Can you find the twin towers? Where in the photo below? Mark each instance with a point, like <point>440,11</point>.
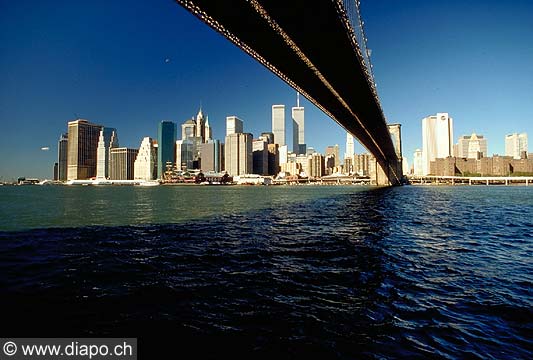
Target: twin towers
<point>298,128</point>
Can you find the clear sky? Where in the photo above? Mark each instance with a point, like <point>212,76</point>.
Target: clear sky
<point>105,61</point>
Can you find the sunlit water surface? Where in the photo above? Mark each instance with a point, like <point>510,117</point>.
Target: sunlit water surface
<point>273,272</point>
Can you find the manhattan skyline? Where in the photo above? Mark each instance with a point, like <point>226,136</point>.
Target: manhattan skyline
<point>154,61</point>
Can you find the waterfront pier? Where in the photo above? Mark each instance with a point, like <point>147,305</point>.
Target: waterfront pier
<point>471,180</point>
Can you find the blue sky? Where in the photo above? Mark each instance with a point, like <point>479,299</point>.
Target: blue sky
<point>106,62</point>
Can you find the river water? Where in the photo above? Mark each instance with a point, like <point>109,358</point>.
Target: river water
<point>273,272</point>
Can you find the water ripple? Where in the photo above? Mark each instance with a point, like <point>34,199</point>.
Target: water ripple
<point>381,273</point>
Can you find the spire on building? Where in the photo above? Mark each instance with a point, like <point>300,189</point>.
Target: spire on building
<point>208,135</point>
<point>200,126</point>
<point>200,114</point>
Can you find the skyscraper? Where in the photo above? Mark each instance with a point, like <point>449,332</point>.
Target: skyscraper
<point>188,129</point>
<point>185,152</point>
<point>145,163</point>
<point>298,133</point>
<point>233,125</point>
<point>316,165</point>
<point>200,126</point>
<point>122,163</point>
<point>268,137</point>
<point>437,139</point>
<point>108,139</point>
<point>273,159</point>
<point>417,163</point>
<point>238,154</point>
<point>62,153</point>
<point>196,131</point>
<point>211,155</point>
<point>283,152</point>
<point>208,133</point>
<point>516,145</point>
<point>349,146</point>
<point>260,156</point>
<point>82,147</point>
<point>334,150</point>
<point>468,146</point>
<point>278,124</point>
<point>166,140</point>
<point>361,164</point>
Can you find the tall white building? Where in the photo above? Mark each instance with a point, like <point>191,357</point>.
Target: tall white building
<point>208,133</point>
<point>350,150</point>
<point>108,139</point>
<point>437,139</point>
<point>405,166</point>
<point>278,124</point>
<point>233,125</point>
<point>515,145</point>
<point>468,146</point>
<point>145,164</point>
<point>417,163</point>
<point>238,154</point>
<point>200,125</point>
<point>298,129</point>
<point>283,154</point>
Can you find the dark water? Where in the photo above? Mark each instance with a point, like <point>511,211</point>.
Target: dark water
<point>302,272</point>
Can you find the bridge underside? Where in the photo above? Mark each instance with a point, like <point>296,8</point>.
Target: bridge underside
<point>309,45</point>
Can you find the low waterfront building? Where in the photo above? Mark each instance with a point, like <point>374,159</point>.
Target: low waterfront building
<point>362,164</point>
<point>488,166</point>
<point>252,179</point>
<point>291,168</point>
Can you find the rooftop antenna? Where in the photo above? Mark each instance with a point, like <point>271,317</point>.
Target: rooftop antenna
<point>297,99</point>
